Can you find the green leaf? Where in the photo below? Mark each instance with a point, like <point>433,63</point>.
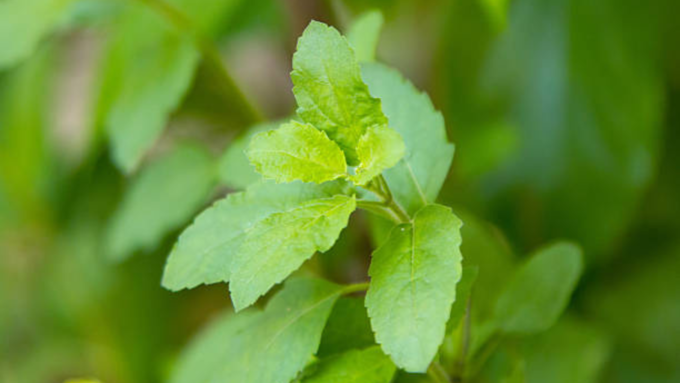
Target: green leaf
<point>379,149</point>
<point>204,251</point>
<point>262,346</point>
<point>235,170</point>
<point>296,151</point>
<point>23,24</point>
<point>165,195</point>
<point>348,328</point>
<point>279,244</point>
<point>413,285</point>
<point>537,294</point>
<point>149,67</point>
<point>364,33</point>
<point>356,366</point>
<point>416,180</point>
<point>329,90</point>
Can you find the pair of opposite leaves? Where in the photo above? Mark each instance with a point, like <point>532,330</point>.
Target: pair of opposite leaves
<point>343,123</point>
<point>257,238</point>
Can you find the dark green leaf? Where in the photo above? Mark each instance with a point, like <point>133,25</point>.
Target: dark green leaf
<point>540,290</point>
<point>356,366</point>
<point>164,196</point>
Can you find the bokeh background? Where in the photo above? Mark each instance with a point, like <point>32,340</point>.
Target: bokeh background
<point>566,120</point>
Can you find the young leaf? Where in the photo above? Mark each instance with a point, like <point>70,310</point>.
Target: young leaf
<point>413,285</point>
<point>364,33</point>
<point>164,196</point>
<point>356,366</point>
<point>537,294</point>
<point>149,67</point>
<point>379,149</point>
<point>329,90</point>
<point>296,151</point>
<point>204,251</point>
<point>235,170</point>
<point>23,24</point>
<point>262,346</point>
<point>276,246</point>
<point>417,178</point>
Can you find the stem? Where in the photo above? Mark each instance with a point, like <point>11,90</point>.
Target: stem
<point>353,288</point>
<point>403,217</point>
<point>380,209</point>
<point>437,373</point>
<point>464,345</point>
<point>380,188</point>
<point>212,59</point>
<point>481,356</point>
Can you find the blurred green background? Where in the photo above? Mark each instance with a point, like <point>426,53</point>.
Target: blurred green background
<point>566,120</point>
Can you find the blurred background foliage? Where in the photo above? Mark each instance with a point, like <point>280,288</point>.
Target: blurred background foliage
<point>116,118</point>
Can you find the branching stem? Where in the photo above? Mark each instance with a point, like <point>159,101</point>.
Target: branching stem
<point>387,207</point>
<point>211,57</point>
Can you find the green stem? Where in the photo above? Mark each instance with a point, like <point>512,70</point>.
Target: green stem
<point>380,188</point>
<point>459,374</point>
<point>380,209</point>
<point>353,288</point>
<point>212,59</point>
<point>479,359</point>
<point>437,373</point>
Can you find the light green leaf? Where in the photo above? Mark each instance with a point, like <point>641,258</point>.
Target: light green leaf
<point>416,180</point>
<point>164,196</point>
<point>235,170</point>
<point>149,67</point>
<point>356,366</point>
<point>23,24</point>
<point>279,244</point>
<point>262,346</point>
<point>413,285</point>
<point>204,251</point>
<point>537,294</point>
<point>296,151</point>
<point>379,149</point>
<point>364,33</point>
<point>329,90</point>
